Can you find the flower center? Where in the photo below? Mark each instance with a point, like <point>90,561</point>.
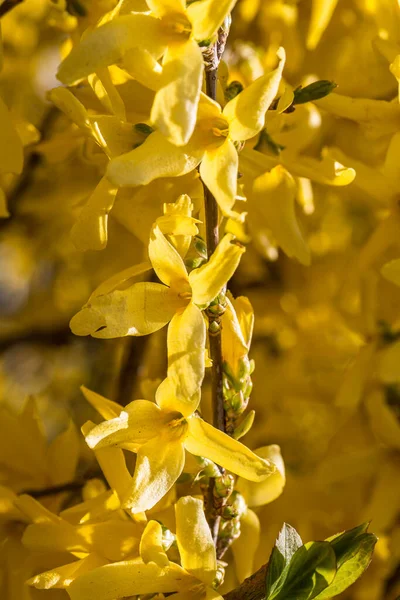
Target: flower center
<point>177,25</point>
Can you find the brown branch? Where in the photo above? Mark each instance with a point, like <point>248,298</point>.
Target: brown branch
<point>252,588</point>
<point>8,5</point>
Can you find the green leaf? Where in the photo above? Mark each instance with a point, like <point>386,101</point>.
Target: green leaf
<point>314,91</point>
<point>345,544</point>
<point>353,567</point>
<point>285,547</point>
<point>311,569</point>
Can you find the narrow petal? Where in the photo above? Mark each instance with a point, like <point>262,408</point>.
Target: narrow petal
<point>138,423</point>
<point>207,17</point>
<point>273,196</point>
<point>90,230</point>
<point>105,90</point>
<point>175,104</point>
<point>258,494</point>
<point>195,543</point>
<point>245,547</point>
<point>246,112</point>
<point>120,278</point>
<point>207,281</point>
<point>62,577</point>
<point>321,13</point>
<point>155,158</point>
<point>219,171</point>
<point>166,261</point>
<point>159,464</point>
<point>234,346</point>
<point>205,440</point>
<point>146,69</point>
<point>106,408</point>
<point>391,271</point>
<point>151,548</point>
<point>186,360</point>
<point>63,455</point>
<point>106,45</point>
<point>139,310</point>
<point>128,578</point>
<point>11,151</point>
<point>161,8</point>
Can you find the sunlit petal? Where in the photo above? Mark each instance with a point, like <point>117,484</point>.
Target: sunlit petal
<point>166,261</point>
<point>207,17</point>
<point>264,492</point>
<point>219,171</point>
<point>151,548</point>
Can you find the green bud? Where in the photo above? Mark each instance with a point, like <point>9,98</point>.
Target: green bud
<point>223,486</point>
<point>200,246</point>
<point>214,327</point>
<point>238,502</point>
<point>252,366</point>
<point>314,91</point>
<point>229,512</point>
<point>237,402</point>
<point>233,89</point>
<point>244,367</point>
<point>143,128</point>
<point>205,43</point>
<point>219,576</point>
<point>244,426</point>
<point>194,263</point>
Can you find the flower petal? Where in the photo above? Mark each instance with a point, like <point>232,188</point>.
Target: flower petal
<point>205,440</point>
<point>175,104</point>
<point>245,547</point>
<point>264,492</point>
<point>219,172</point>
<point>159,464</point>
<point>195,543</point>
<point>186,361</point>
<point>163,7</point>
<point>246,112</point>
<point>139,310</point>
<point>207,17</point>
<point>106,408</point>
<point>139,422</point>
<point>155,158</point>
<point>151,548</point>
<point>106,45</point>
<point>273,195</point>
<point>90,230</point>
<point>62,577</point>
<point>391,271</point>
<point>128,578</point>
<point>207,281</point>
<point>321,14</point>
<point>166,261</point>
<point>115,281</point>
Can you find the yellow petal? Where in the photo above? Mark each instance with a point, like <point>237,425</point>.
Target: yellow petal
<point>106,45</point>
<point>258,494</point>
<point>139,310</point>
<point>175,104</point>
<point>128,578</point>
<point>195,543</point>
<point>159,463</point>
<point>107,93</point>
<point>155,158</point>
<point>11,151</point>
<point>234,346</point>
<point>90,230</point>
<point>207,17</point>
<point>205,440</point>
<point>166,261</point>
<point>151,548</point>
<point>273,195</point>
<point>63,455</point>
<point>391,271</point>
<point>245,547</point>
<point>98,508</point>
<point>207,281</point>
<point>146,69</point>
<point>70,106</point>
<point>112,463</point>
<point>245,315</point>
<point>328,170</point>
<point>321,14</point>
<point>246,112</point>
<point>388,364</point>
<point>106,408</point>
<point>62,577</point>
<point>219,171</point>
<point>161,8</point>
<point>138,423</point>
<point>120,278</point>
<point>186,361</point>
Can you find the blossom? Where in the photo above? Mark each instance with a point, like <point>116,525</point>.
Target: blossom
<point>169,29</point>
<point>154,573</point>
<point>160,433</point>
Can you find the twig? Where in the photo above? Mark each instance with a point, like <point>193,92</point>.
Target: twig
<point>8,5</point>
<point>252,588</point>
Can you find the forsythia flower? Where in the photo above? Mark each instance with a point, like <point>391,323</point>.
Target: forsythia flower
<point>159,434</point>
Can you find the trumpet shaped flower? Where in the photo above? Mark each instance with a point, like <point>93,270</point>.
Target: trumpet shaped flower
<point>146,307</point>
<point>192,580</point>
<point>169,29</point>
<point>160,433</point>
<point>213,143</point>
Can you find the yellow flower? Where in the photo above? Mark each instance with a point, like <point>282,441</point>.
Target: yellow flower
<point>146,307</point>
<point>155,573</point>
<point>159,434</point>
<point>171,30</point>
<point>212,144</point>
